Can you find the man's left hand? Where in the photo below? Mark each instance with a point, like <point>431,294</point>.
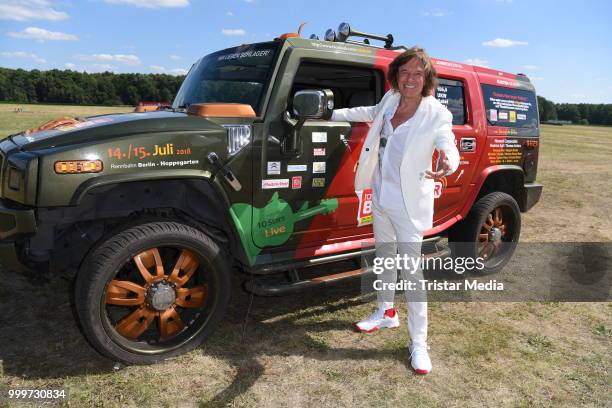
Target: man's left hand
<point>443,167</point>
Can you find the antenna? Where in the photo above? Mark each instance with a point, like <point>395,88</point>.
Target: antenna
<point>292,35</point>
<point>300,28</point>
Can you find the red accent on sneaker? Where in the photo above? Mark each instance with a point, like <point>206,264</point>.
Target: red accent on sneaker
<point>420,371</point>
<point>360,330</point>
<point>390,313</point>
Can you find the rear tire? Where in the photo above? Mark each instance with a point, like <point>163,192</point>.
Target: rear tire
<point>152,291</point>
<point>491,231</point>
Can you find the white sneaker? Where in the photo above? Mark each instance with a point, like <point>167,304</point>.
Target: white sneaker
<point>419,358</point>
<point>380,319</point>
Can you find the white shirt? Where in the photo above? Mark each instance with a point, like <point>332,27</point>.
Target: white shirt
<point>434,123</point>
<point>387,185</point>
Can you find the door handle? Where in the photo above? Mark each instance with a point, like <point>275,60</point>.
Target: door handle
<point>467,144</point>
<point>291,144</point>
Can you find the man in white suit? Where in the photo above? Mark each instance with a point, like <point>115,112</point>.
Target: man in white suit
<point>395,161</point>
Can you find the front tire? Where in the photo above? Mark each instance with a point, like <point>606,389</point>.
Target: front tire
<point>152,291</point>
<point>490,231</point>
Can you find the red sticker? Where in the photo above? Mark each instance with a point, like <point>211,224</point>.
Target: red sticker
<point>319,151</point>
<point>364,212</point>
<point>296,182</point>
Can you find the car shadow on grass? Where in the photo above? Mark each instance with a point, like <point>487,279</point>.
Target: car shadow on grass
<point>292,325</point>
<point>40,339</point>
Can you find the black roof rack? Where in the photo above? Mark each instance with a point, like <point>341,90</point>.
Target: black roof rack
<point>345,31</point>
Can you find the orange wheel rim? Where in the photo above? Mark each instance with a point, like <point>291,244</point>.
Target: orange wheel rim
<point>160,298</point>
<point>494,221</point>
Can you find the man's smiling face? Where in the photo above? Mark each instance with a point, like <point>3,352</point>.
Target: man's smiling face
<point>411,78</point>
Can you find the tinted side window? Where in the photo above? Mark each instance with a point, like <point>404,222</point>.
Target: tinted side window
<point>510,107</point>
<point>450,94</point>
<point>352,86</point>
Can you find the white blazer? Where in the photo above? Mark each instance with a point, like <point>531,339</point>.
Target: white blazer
<point>431,129</point>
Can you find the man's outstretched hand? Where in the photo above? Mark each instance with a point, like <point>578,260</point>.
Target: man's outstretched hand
<point>443,167</point>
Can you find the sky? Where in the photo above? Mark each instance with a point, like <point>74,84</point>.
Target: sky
<point>564,47</point>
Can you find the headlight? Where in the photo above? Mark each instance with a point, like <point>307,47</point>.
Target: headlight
<point>19,178</point>
<point>238,136</point>
<point>14,178</point>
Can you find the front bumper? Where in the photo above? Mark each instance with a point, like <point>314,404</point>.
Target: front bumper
<point>16,222</point>
<point>9,258</point>
<point>531,195</point>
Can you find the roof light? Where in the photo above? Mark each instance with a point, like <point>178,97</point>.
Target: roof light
<point>344,30</point>
<point>330,35</point>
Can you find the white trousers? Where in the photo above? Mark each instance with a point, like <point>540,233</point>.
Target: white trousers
<point>395,234</point>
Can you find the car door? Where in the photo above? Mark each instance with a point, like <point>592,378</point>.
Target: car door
<point>455,92</point>
<point>307,181</point>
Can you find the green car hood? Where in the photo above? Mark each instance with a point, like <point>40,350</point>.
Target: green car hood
<point>100,128</point>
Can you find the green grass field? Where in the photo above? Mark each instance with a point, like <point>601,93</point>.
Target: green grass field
<point>35,115</point>
<point>300,351</point>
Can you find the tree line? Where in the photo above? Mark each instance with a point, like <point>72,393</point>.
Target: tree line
<point>580,113</point>
<point>107,88</point>
<point>82,88</point>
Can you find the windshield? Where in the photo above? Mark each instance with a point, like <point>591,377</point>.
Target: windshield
<point>234,75</point>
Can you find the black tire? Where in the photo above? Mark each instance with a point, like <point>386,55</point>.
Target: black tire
<point>199,302</point>
<point>465,237</point>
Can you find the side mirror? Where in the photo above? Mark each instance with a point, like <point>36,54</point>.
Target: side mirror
<point>307,104</point>
<point>313,103</point>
